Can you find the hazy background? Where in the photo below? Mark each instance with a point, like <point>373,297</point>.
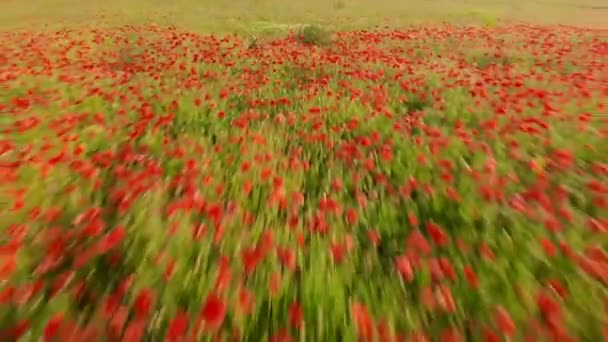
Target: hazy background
<point>248,16</point>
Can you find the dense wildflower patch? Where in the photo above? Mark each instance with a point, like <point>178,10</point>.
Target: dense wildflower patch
<point>432,183</point>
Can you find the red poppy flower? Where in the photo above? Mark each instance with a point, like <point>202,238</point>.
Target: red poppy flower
<point>213,312</point>
<point>143,303</point>
<point>178,326</point>
<point>296,314</point>
<point>363,321</point>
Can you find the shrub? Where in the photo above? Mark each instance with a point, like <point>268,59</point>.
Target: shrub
<point>314,35</point>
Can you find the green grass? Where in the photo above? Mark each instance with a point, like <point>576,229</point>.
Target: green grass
<point>242,15</point>
<point>302,180</point>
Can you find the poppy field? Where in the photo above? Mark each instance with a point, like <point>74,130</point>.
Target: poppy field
<point>431,183</point>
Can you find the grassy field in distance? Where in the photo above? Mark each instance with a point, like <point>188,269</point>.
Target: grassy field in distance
<point>282,171</point>
<point>242,15</point>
